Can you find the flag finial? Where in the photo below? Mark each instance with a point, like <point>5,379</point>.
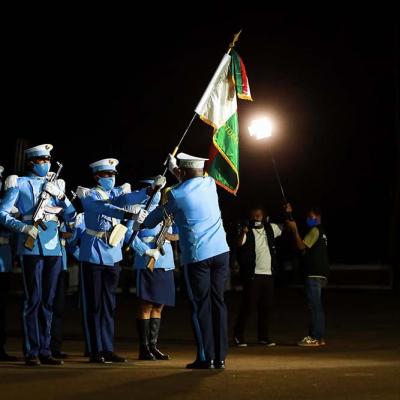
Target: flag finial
<point>235,39</point>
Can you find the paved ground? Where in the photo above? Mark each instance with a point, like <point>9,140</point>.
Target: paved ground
<point>361,360</point>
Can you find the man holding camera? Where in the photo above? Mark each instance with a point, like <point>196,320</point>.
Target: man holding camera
<point>258,262</point>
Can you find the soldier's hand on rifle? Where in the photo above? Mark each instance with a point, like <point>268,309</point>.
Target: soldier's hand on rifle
<point>31,231</point>
<point>159,181</point>
<point>154,253</point>
<point>172,163</point>
<point>52,189</point>
<point>136,213</point>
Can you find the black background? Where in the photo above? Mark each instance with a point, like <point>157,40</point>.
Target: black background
<point>124,83</point>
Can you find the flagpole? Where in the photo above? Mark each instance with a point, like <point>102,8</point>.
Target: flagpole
<point>175,151</point>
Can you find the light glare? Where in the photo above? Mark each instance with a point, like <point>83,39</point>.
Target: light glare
<point>261,128</point>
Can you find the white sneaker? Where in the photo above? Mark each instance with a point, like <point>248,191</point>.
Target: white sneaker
<point>267,343</point>
<point>308,341</point>
<point>239,343</point>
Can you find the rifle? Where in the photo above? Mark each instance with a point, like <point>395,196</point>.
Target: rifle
<point>160,239</point>
<point>39,213</point>
<point>136,226</point>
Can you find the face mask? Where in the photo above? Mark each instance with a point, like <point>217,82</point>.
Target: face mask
<point>41,169</point>
<point>107,183</point>
<point>256,224</point>
<point>311,222</point>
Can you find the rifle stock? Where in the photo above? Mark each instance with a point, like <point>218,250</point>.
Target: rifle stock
<point>150,265</point>
<point>30,241</point>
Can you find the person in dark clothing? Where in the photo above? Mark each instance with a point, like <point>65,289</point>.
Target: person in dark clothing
<point>258,262</point>
<point>316,265</point>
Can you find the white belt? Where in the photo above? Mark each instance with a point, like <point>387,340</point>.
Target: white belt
<point>47,217</point>
<point>151,239</point>
<point>4,240</point>
<point>99,234</point>
<point>148,239</point>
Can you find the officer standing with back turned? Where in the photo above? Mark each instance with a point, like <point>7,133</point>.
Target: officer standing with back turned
<point>205,255</point>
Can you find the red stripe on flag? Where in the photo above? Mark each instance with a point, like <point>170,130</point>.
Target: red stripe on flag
<point>245,81</point>
<point>211,155</point>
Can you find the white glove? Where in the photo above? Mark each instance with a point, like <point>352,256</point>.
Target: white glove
<point>126,188</point>
<point>30,230</point>
<point>160,181</point>
<point>61,184</point>
<point>133,208</point>
<point>172,163</point>
<point>82,192</point>
<point>154,253</point>
<point>141,216</point>
<point>54,190</point>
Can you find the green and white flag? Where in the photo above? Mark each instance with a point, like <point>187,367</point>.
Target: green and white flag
<point>218,108</point>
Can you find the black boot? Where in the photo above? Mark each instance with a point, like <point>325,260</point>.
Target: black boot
<point>143,328</point>
<point>153,338</point>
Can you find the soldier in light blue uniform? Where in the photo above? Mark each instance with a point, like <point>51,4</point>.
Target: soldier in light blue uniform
<point>100,253</point>
<point>205,254</point>
<point>6,263</point>
<point>66,233</point>
<point>41,266</point>
<point>155,289</point>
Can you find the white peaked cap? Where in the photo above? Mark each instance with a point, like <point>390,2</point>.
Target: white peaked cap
<point>188,161</point>
<point>107,164</point>
<point>39,151</point>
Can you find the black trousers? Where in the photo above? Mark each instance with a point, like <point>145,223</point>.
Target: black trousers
<point>257,297</point>
<point>58,314</point>
<point>98,287</point>
<point>4,289</point>
<point>205,281</point>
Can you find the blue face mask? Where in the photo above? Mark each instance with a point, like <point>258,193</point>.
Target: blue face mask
<point>107,183</point>
<point>311,222</point>
<point>41,169</point>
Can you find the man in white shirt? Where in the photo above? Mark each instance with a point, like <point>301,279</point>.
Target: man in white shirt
<point>257,259</point>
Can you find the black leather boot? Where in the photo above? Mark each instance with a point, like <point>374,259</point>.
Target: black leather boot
<point>143,328</point>
<point>153,338</point>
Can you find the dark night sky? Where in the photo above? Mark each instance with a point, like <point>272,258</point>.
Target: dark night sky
<point>125,85</point>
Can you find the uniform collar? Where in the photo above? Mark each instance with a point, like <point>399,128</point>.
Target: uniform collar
<point>33,175</point>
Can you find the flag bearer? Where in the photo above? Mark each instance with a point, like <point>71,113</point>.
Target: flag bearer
<point>205,254</point>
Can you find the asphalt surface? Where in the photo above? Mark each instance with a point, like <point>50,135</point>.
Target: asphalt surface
<point>361,359</point>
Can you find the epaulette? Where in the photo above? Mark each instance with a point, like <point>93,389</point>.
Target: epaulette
<point>11,182</point>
